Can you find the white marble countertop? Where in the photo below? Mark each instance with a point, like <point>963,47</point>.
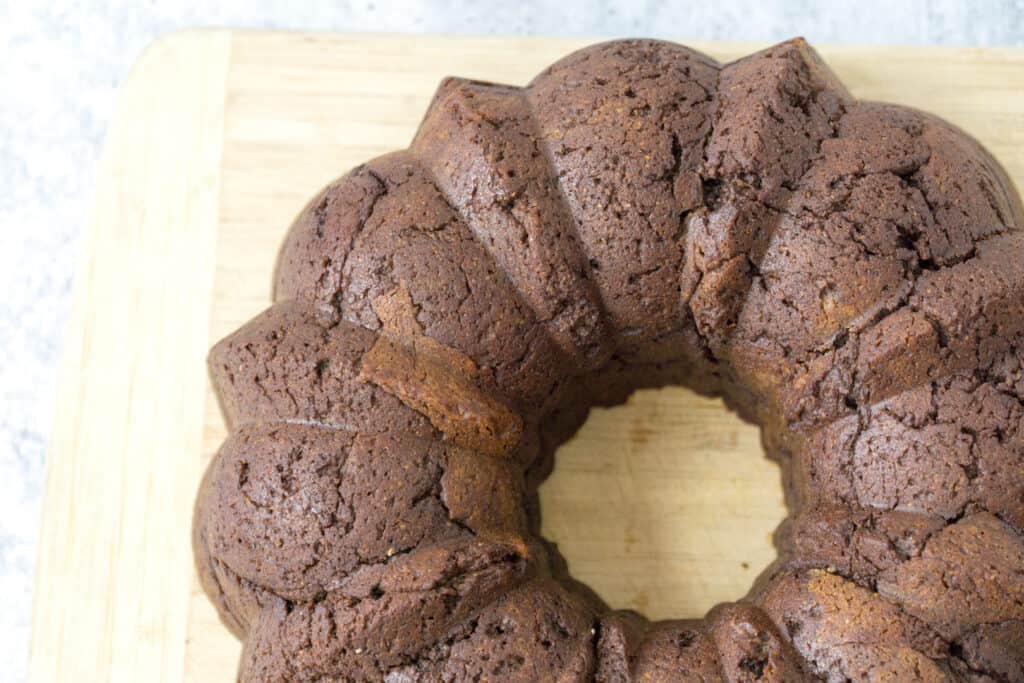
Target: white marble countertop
<point>61,67</point>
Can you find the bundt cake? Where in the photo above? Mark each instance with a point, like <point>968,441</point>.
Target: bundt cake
<point>848,275</point>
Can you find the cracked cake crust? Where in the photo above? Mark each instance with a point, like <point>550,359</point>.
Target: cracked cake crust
<point>845,274</point>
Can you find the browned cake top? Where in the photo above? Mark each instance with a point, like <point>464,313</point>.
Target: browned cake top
<point>846,274</point>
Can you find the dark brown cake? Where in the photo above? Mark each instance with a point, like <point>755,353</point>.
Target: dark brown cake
<point>846,274</point>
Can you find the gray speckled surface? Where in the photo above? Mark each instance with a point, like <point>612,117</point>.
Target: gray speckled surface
<point>61,66</point>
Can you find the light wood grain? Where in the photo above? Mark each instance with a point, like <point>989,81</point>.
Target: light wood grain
<point>665,504</point>
<point>114,573</point>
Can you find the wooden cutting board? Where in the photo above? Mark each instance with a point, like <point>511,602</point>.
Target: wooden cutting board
<point>665,505</point>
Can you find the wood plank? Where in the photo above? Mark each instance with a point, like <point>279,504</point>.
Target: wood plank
<point>665,505</point>
<point>114,569</point>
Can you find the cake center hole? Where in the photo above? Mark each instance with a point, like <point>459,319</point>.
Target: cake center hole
<point>665,505</point>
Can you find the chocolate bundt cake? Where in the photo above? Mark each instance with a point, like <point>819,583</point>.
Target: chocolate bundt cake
<point>848,275</point>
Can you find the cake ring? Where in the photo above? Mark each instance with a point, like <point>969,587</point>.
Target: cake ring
<point>847,275</point>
